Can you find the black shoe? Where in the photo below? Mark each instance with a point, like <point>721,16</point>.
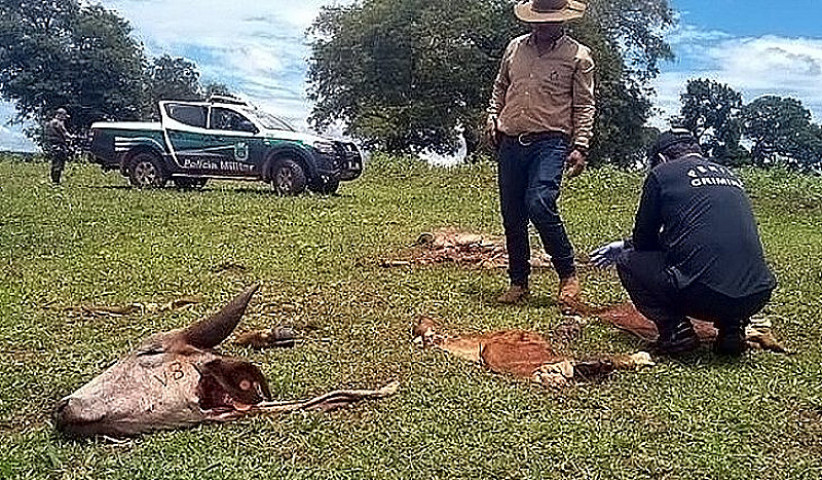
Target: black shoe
<point>731,342</point>
<point>682,339</point>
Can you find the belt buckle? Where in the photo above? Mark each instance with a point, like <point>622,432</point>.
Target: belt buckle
<point>522,142</point>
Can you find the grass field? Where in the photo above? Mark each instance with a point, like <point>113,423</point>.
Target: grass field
<point>97,241</point>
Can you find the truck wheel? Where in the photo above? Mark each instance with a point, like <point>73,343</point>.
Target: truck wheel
<point>287,177</point>
<point>146,171</point>
<point>326,185</point>
<point>188,183</point>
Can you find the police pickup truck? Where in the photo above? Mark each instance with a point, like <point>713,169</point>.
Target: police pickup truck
<point>222,138</point>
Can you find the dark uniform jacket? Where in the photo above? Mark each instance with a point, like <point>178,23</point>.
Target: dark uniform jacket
<point>697,212</point>
<point>55,134</point>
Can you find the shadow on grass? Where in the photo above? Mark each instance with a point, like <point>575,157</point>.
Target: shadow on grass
<point>488,297</point>
<point>261,191</point>
<point>108,187</point>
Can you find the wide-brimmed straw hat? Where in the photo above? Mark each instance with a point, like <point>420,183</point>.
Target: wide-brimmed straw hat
<point>545,11</point>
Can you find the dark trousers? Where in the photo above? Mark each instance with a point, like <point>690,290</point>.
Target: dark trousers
<point>646,278</point>
<point>529,181</point>
<point>58,155</point>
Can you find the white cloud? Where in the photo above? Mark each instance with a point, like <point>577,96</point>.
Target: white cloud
<point>755,66</point>
<point>12,137</point>
<point>685,34</point>
<point>257,48</point>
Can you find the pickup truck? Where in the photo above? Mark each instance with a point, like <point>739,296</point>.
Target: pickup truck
<point>222,138</point>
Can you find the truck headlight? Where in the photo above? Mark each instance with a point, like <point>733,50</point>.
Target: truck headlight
<point>326,148</point>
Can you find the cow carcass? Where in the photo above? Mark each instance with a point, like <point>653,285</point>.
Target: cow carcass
<point>523,354</point>
<point>176,379</point>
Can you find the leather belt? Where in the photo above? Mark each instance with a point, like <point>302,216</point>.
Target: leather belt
<point>526,139</point>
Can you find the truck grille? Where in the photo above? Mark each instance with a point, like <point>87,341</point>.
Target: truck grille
<point>349,160</point>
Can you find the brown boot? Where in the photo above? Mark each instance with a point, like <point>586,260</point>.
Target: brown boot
<point>569,293</point>
<point>515,294</point>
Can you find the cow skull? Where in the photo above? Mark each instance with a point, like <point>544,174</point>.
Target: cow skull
<point>175,379</point>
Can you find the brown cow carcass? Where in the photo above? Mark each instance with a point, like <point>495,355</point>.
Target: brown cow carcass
<point>524,354</point>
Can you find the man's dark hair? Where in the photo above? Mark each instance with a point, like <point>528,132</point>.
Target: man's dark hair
<point>673,144</point>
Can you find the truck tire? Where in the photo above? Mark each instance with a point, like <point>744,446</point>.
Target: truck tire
<point>326,186</point>
<point>146,171</point>
<point>287,177</point>
<point>188,183</point>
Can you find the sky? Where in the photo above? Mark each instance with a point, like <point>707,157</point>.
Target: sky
<point>259,49</point>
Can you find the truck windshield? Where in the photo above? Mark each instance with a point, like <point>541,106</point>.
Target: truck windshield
<point>270,122</point>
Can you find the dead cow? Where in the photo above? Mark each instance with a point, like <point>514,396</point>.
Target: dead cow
<point>176,379</point>
<point>523,354</point>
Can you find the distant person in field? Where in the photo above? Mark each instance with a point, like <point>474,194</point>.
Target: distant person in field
<point>695,251</point>
<point>56,138</point>
<point>541,119</point>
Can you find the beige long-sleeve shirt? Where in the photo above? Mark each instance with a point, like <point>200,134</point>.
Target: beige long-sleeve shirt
<point>552,92</point>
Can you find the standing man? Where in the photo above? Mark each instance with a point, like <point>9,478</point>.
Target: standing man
<point>695,250</point>
<point>56,138</point>
<point>541,119</point>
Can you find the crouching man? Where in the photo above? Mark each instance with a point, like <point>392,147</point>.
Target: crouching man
<point>695,249</point>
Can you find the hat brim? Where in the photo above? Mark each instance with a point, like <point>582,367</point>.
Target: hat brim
<point>572,11</point>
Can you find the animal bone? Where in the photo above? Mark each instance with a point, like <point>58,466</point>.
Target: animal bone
<point>282,337</point>
<point>449,245</point>
<point>175,379</point>
<point>523,354</point>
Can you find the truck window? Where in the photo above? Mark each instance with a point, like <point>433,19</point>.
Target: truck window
<point>192,115</point>
<point>225,119</point>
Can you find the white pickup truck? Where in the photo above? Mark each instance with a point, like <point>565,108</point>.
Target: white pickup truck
<point>222,138</point>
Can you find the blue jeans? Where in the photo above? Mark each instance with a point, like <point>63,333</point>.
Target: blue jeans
<point>529,181</point>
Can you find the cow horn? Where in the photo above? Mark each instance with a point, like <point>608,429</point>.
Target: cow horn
<point>213,330</point>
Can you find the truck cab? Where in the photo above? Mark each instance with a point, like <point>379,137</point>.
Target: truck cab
<point>223,138</point>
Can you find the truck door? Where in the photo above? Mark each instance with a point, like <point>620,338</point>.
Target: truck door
<point>238,134</point>
<point>192,147</point>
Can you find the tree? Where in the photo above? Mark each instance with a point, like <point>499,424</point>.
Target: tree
<point>404,77</point>
<point>64,53</point>
<point>56,53</point>
<point>170,78</point>
<point>214,88</point>
<point>401,75</point>
<point>627,42</point>
<point>782,133</point>
<point>711,110</point>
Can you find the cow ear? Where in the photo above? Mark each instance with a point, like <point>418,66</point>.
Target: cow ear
<point>241,380</point>
<point>210,332</point>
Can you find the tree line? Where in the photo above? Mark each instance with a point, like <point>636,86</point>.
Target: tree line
<point>402,76</point>
<point>768,131</point>
<point>408,75</point>
<point>66,53</point>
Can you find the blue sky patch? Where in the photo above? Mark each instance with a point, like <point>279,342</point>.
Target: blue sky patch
<point>259,49</point>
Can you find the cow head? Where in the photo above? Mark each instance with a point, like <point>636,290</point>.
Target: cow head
<point>173,379</point>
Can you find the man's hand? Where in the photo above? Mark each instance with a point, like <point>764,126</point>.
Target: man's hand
<point>491,133</point>
<point>607,255</point>
<point>576,162</point>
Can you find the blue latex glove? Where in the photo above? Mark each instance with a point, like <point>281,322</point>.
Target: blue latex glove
<point>606,255</point>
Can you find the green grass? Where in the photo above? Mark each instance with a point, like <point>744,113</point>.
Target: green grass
<point>97,241</point>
